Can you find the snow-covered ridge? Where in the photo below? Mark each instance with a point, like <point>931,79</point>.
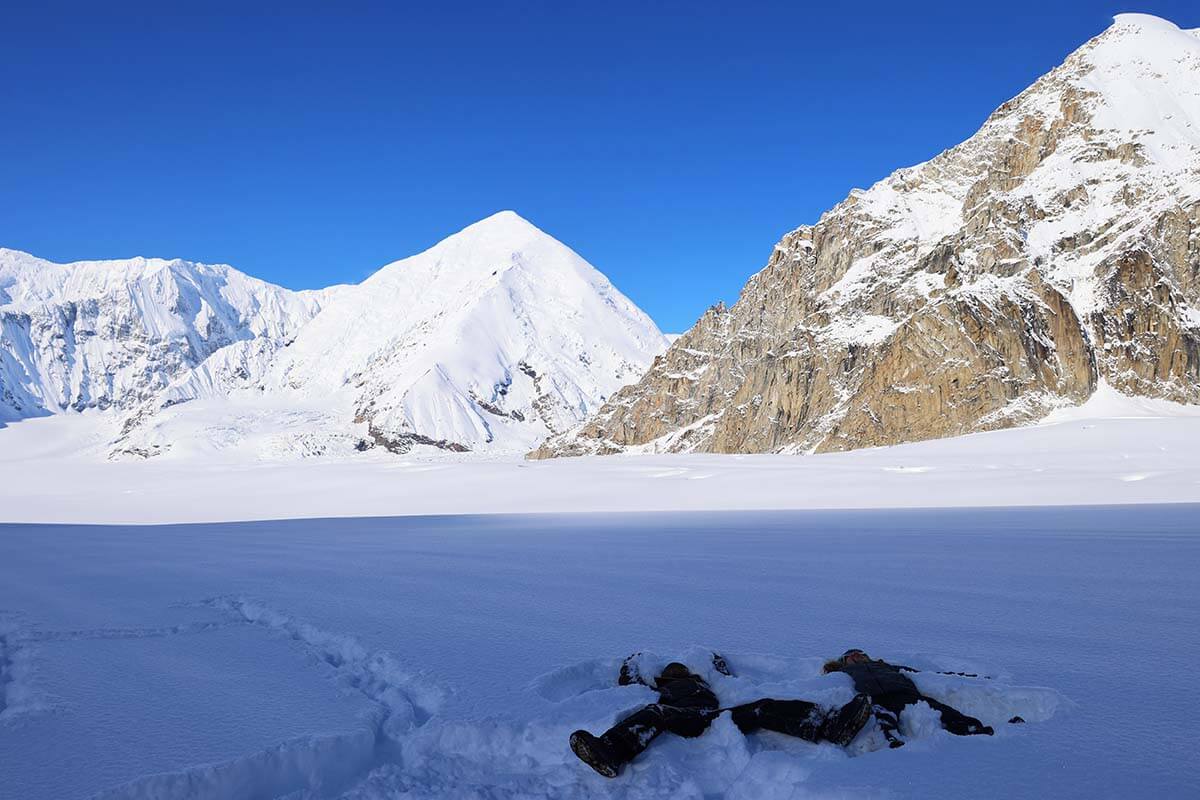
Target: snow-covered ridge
<point>490,339</point>
<point>118,334</point>
<point>1140,81</point>
<point>496,336</point>
<point>1006,277</point>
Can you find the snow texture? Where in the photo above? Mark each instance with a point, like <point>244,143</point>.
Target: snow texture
<point>1113,449</point>
<point>452,657</point>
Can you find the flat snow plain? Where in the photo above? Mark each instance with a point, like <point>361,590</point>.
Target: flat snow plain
<point>1114,449</point>
<point>424,657</point>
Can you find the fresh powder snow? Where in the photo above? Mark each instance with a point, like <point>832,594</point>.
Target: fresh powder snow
<point>1112,449</point>
<point>431,657</point>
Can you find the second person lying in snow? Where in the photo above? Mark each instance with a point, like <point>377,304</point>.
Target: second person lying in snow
<point>687,706</point>
<point>891,691</point>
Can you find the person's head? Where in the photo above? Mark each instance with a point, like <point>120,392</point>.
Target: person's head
<point>851,656</point>
<point>674,672</point>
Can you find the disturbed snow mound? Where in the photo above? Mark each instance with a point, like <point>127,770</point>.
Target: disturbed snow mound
<point>447,653</point>
<point>1001,280</point>
<point>406,751</point>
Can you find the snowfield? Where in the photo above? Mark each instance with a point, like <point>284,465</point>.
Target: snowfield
<point>1113,449</point>
<point>417,656</point>
<point>451,657</point>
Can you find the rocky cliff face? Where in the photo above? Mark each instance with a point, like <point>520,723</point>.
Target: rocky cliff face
<point>1057,247</point>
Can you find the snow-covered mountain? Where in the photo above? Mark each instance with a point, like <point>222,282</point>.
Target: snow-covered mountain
<point>490,340</point>
<point>125,334</point>
<point>493,338</point>
<point>1057,248</point>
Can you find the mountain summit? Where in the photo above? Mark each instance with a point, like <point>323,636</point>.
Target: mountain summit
<point>493,338</point>
<point>1056,248</point>
<point>490,340</point>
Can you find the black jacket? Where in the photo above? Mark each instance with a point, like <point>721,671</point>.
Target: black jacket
<point>886,683</point>
<point>690,692</point>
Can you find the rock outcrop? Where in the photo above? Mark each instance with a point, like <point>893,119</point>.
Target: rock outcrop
<point>1057,247</point>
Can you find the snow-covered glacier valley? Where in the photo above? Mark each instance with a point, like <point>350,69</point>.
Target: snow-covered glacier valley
<point>314,658</point>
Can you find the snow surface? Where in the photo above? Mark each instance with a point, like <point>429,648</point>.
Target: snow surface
<point>451,657</point>
<point>1113,449</point>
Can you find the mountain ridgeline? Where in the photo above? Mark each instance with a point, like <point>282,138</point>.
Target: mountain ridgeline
<point>491,340</point>
<point>1056,248</point>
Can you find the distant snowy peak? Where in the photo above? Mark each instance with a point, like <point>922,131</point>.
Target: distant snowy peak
<point>1002,279</point>
<point>101,334</point>
<point>491,339</point>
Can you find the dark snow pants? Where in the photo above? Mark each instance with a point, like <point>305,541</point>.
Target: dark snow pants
<point>953,720</point>
<point>691,715</point>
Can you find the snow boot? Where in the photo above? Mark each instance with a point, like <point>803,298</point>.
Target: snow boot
<point>596,753</point>
<point>842,727</point>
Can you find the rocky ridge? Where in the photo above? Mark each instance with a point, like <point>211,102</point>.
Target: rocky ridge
<point>1056,248</point>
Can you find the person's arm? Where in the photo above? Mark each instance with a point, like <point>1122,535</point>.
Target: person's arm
<point>903,668</point>
<point>630,673</point>
<point>966,675</point>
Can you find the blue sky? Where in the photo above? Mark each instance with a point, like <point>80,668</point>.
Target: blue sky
<point>671,144</point>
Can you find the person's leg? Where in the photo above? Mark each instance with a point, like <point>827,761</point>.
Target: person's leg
<point>805,720</point>
<point>889,725</point>
<point>957,722</point>
<point>689,722</point>
<point>621,743</point>
<point>793,717</point>
<point>632,735</point>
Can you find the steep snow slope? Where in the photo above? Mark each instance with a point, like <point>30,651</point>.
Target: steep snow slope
<point>493,338</point>
<point>1058,246</point>
<point>129,334</point>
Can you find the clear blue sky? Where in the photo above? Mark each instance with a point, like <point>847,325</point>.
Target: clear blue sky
<point>670,144</point>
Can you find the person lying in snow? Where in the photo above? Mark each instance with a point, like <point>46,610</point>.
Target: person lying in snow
<point>891,691</point>
<point>687,706</point>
